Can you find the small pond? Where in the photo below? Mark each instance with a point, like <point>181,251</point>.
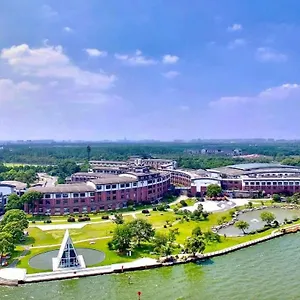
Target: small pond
<point>255,222</point>
<point>43,261</point>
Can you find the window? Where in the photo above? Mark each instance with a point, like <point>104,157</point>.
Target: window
<point>114,186</point>
<point>114,197</point>
<point>246,183</point>
<point>291,183</point>
<point>297,182</point>
<point>41,201</point>
<point>134,184</point>
<point>92,194</point>
<point>47,196</point>
<point>75,201</point>
<point>251,183</point>
<point>99,187</point>
<point>65,201</point>
<point>122,185</point>
<point>47,202</point>
<point>82,200</point>
<point>279,183</point>
<point>108,187</point>
<point>101,207</point>
<point>263,183</point>
<point>57,202</point>
<point>82,194</point>
<point>65,195</point>
<point>108,198</point>
<point>75,195</point>
<point>257,183</point>
<point>57,209</point>
<point>127,185</point>
<point>275,183</point>
<point>57,195</point>
<point>114,192</point>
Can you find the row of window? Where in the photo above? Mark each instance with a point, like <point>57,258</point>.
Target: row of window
<point>67,195</point>
<point>280,183</point>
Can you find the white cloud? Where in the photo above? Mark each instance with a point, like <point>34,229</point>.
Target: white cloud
<point>93,52</point>
<point>171,74</point>
<point>270,55</point>
<point>48,12</point>
<point>51,62</point>
<point>282,92</point>
<point>235,27</point>
<point>170,59</point>
<point>68,29</point>
<point>135,60</point>
<point>10,90</point>
<point>237,43</point>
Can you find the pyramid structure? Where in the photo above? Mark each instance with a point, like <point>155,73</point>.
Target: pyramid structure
<point>67,257</point>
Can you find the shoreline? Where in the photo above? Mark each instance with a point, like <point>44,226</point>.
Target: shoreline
<point>138,265</point>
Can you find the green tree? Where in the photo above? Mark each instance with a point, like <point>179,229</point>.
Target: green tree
<point>197,231</point>
<point>30,198</point>
<point>118,219</point>
<point>6,244</point>
<point>122,237</point>
<point>160,241</point>
<point>242,225</point>
<point>267,216</point>
<point>142,230</point>
<point>195,244</point>
<point>14,202</point>
<point>213,190</point>
<point>15,229</point>
<point>276,198</point>
<point>15,215</point>
<point>211,237</point>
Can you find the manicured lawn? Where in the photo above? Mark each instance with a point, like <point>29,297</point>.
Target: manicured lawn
<point>100,229</point>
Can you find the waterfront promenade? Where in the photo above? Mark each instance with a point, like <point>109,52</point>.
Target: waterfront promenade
<point>140,264</point>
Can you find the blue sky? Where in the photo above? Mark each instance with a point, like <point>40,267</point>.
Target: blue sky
<point>149,70</point>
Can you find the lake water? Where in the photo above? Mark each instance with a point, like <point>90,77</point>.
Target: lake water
<point>268,271</point>
<point>255,222</point>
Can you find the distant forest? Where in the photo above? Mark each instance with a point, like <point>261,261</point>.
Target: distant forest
<point>187,154</point>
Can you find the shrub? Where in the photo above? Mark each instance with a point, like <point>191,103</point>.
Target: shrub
<point>165,226</point>
<point>154,209</point>
<point>48,221</point>
<point>105,217</point>
<point>80,215</point>
<point>83,219</point>
<point>71,219</point>
<point>183,203</point>
<point>145,211</point>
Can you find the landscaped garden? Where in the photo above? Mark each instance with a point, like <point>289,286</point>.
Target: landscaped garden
<point>152,232</point>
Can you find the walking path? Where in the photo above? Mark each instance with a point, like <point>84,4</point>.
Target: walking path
<point>140,264</point>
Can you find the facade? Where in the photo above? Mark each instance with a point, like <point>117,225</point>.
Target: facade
<point>105,192</point>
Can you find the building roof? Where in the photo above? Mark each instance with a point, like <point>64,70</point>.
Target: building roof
<point>65,188</point>
<point>91,174</point>
<point>113,179</point>
<point>17,184</point>
<point>254,166</point>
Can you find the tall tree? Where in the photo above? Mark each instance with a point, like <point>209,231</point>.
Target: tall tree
<point>242,225</point>
<point>142,230</point>
<point>15,215</point>
<point>213,190</point>
<point>267,217</point>
<point>15,229</point>
<point>31,197</point>
<point>6,244</point>
<point>14,202</point>
<point>195,244</point>
<point>122,237</point>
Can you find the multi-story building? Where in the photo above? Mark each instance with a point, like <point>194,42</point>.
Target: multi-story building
<point>101,193</point>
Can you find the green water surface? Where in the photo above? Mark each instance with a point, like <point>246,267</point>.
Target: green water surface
<point>270,270</point>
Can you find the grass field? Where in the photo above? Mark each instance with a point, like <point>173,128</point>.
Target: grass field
<point>98,233</point>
